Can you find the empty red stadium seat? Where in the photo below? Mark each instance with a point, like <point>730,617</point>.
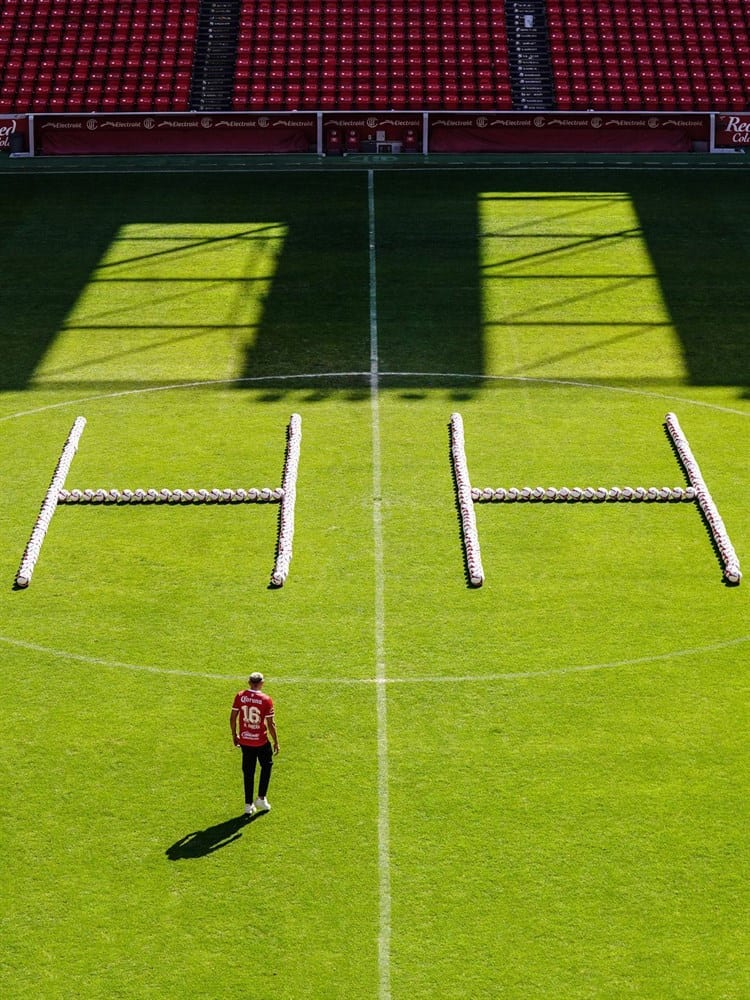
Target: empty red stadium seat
<point>657,48</point>
<point>369,54</point>
<point>375,54</point>
<point>81,39</point>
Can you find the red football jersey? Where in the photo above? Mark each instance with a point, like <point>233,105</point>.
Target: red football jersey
<point>254,708</point>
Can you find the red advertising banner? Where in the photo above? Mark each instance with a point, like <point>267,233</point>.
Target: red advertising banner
<point>14,132</point>
<point>732,132</point>
<point>376,133</point>
<point>58,135</point>
<point>567,133</point>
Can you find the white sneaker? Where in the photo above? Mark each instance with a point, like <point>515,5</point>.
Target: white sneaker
<point>261,805</point>
<point>250,809</point>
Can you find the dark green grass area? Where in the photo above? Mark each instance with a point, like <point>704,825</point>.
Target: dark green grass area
<point>566,747</point>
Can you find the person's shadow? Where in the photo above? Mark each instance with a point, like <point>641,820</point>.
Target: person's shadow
<point>199,843</point>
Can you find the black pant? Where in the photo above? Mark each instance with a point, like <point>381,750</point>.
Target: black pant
<point>264,756</point>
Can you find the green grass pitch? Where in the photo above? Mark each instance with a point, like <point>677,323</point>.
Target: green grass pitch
<point>534,791</point>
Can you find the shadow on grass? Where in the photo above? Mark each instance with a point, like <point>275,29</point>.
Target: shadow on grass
<point>315,319</point>
<point>200,843</point>
<point>319,313</point>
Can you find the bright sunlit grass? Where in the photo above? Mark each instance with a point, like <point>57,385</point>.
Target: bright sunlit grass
<point>570,289</point>
<point>168,302</point>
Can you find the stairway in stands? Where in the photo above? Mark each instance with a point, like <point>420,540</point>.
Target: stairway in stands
<point>215,55</point>
<point>529,59</point>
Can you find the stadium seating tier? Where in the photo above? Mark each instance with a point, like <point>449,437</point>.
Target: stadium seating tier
<point>140,55</point>
<point>669,55</point>
<point>342,54</point>
<point>96,55</point>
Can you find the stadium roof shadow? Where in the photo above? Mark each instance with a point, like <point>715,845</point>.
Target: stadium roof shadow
<point>706,291</point>
<point>428,308</point>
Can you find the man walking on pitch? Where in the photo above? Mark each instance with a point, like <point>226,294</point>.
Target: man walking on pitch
<point>254,709</point>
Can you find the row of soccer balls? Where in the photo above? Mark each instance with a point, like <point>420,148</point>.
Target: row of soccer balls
<point>289,491</point>
<point>589,493</point>
<point>170,496</point>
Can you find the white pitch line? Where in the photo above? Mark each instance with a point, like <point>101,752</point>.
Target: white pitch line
<point>384,849</point>
<point>388,163</point>
<point>98,661</point>
<point>171,387</point>
<point>302,376</point>
<point>573,383</point>
<point>520,675</point>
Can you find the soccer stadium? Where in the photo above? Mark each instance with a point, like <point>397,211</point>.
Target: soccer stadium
<point>396,351</point>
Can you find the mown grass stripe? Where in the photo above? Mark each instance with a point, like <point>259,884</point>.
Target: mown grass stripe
<point>384,859</point>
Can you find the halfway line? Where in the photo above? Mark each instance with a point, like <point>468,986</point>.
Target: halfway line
<point>384,851</point>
